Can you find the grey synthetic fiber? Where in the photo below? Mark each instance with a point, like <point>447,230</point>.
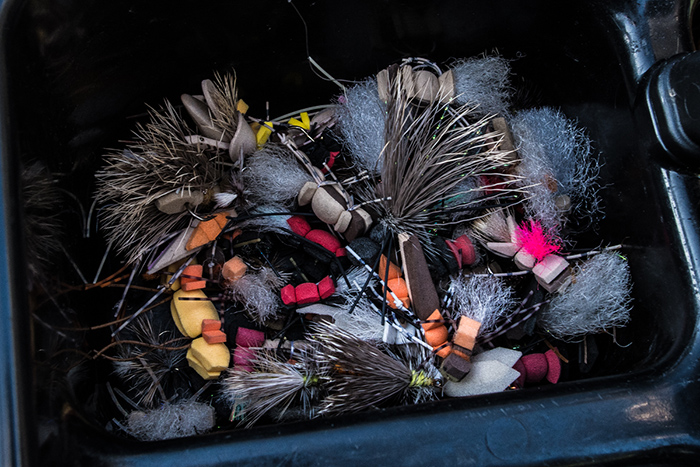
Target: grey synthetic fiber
<point>542,207</point>
<point>361,119</point>
<point>268,217</point>
<point>557,155</point>
<point>597,299</point>
<point>186,418</point>
<point>485,299</point>
<point>273,175</point>
<point>483,81</point>
<point>356,276</point>
<point>364,322</point>
<point>258,292</point>
<point>225,199</point>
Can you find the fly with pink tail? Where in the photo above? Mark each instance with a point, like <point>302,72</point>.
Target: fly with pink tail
<point>537,253</point>
<point>531,237</point>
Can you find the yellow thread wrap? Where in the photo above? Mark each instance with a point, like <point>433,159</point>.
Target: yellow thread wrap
<point>419,379</point>
<point>310,380</point>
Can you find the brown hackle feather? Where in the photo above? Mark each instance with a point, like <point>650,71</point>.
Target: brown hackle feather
<point>428,152</point>
<point>42,203</point>
<point>149,371</point>
<point>492,227</point>
<point>364,376</point>
<point>276,384</point>
<point>225,100</point>
<point>159,163</point>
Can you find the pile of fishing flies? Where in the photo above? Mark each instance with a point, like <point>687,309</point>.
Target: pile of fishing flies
<point>410,241</point>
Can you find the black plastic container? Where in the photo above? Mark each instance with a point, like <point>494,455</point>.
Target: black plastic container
<point>72,72</point>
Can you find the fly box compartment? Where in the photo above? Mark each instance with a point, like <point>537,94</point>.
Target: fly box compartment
<point>91,311</point>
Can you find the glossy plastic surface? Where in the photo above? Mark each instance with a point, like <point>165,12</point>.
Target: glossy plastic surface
<point>74,71</point>
<point>670,97</point>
